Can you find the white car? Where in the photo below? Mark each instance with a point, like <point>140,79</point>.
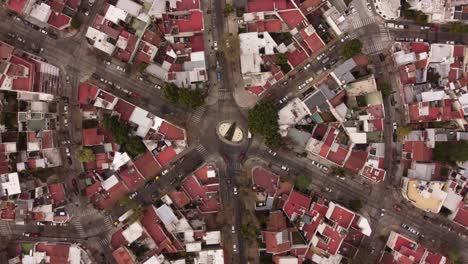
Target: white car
<point>328,189</point>
<point>301,86</point>
<point>234,247</point>
<point>133,195</point>
<point>235,190</point>
<point>215,45</point>
<point>272,152</point>
<point>314,163</point>
<point>164,172</point>
<point>425,27</point>
<point>307,66</point>
<point>451,42</point>
<point>283,167</point>
<point>321,56</point>
<point>233,229</point>
<point>107,62</point>
<point>310,79</point>
<point>157,86</point>
<point>122,69</point>
<point>382,212</point>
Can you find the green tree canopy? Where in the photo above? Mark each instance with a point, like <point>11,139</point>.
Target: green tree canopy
<point>402,132</point>
<point>230,46</point>
<point>302,182</point>
<point>75,23</point>
<point>355,205</point>
<point>451,152</point>
<point>351,48</point>
<point>85,155</point>
<point>135,146</point>
<point>171,92</point>
<point>340,171</point>
<point>228,8</point>
<point>191,98</point>
<point>263,120</point>
<point>385,89</point>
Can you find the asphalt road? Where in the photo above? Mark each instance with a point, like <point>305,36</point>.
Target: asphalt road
<point>74,56</point>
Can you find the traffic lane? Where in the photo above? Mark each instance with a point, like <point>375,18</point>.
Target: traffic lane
<point>354,193</point>
<point>429,35</point>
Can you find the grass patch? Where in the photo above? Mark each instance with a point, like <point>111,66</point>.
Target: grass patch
<point>26,247</point>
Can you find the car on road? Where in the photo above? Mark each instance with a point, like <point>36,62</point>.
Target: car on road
<point>75,186</point>
<point>284,83</point>
<point>148,184</point>
<point>241,156</point>
<point>271,152</point>
<point>397,208</point>
<point>156,178</point>
<point>157,86</point>
<point>226,158</point>
<point>301,86</point>
<point>27,234</point>
<point>327,189</point>
<point>321,56</point>
<point>133,195</point>
<point>307,66</point>
<point>136,95</point>
<point>284,99</point>
<point>382,212</point>
<point>219,76</point>
<point>369,7</point>
<point>450,42</point>
<point>234,247</point>
<point>284,167</point>
<point>215,45</point>
<point>234,190</point>
<point>106,62</point>
<point>445,29</point>
<point>164,172</point>
<point>425,27</point>
<point>122,69</point>
<point>233,229</point>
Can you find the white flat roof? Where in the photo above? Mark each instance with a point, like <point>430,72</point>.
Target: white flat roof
<point>133,232</point>
<point>115,14</point>
<point>109,182</point>
<point>41,12</point>
<point>100,40</point>
<point>129,6</point>
<point>213,237</point>
<point>9,183</point>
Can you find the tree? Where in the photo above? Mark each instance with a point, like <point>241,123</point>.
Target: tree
<point>385,89</point>
<point>171,92</point>
<point>302,182</point>
<point>459,28</point>
<point>142,66</point>
<point>451,152</point>
<point>228,8</point>
<point>230,46</point>
<point>282,61</point>
<point>75,23</point>
<point>263,120</point>
<point>134,146</point>
<point>340,171</point>
<point>453,254</point>
<point>351,48</point>
<point>355,205</point>
<point>402,132</point>
<point>85,155</point>
<point>190,98</point>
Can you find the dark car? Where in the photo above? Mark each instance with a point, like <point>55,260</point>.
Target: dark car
<point>75,186</point>
<point>226,158</point>
<point>381,57</point>
<point>148,184</point>
<point>242,156</point>
<point>445,29</point>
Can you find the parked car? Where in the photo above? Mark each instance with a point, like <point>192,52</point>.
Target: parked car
<point>284,167</point>
<point>157,86</point>
<point>235,190</point>
<point>382,212</point>
<point>425,27</point>
<point>271,152</point>
<point>133,195</point>
<point>215,45</point>
<point>241,156</point>
<point>164,172</point>
<point>233,229</point>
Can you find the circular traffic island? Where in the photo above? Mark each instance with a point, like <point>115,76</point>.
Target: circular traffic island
<point>229,132</point>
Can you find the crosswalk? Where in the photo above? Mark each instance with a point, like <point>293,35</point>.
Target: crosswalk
<point>5,228</point>
<point>358,23</point>
<point>198,114</point>
<point>104,242</point>
<point>236,166</point>
<point>373,47</point>
<point>384,33</point>
<point>108,222</point>
<point>88,211</point>
<point>79,228</point>
<point>202,150</point>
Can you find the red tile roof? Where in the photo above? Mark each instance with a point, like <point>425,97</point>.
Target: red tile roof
<point>123,256</point>
<point>6,51</point>
<point>273,245</point>
<point>202,174</point>
<point>206,196</point>
<point>179,198</point>
<point>334,240</point>
<point>91,137</point>
<point>8,213</point>
<point>171,132</point>
<point>342,216</point>
<point>131,177</point>
<point>125,109</point>
<point>276,222</point>
<point>92,189</point>
<point>297,204</point>
<point>307,4</point>
<point>58,253</point>
<point>17,5</point>
<point>257,90</point>
<point>356,160</point>
<point>152,225</point>
<point>57,192</point>
<point>419,47</point>
<point>166,155</point>
<point>118,239</point>
<point>87,93</point>
<point>264,180</point>
<point>459,51</point>
<point>373,174</point>
<point>296,57</point>
<point>339,156</point>
<point>23,83</point>
<point>196,42</point>
<point>184,5</point>
<point>147,165</point>
<point>462,215</point>
<point>268,5</point>
<point>59,21</point>
<point>314,42</point>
